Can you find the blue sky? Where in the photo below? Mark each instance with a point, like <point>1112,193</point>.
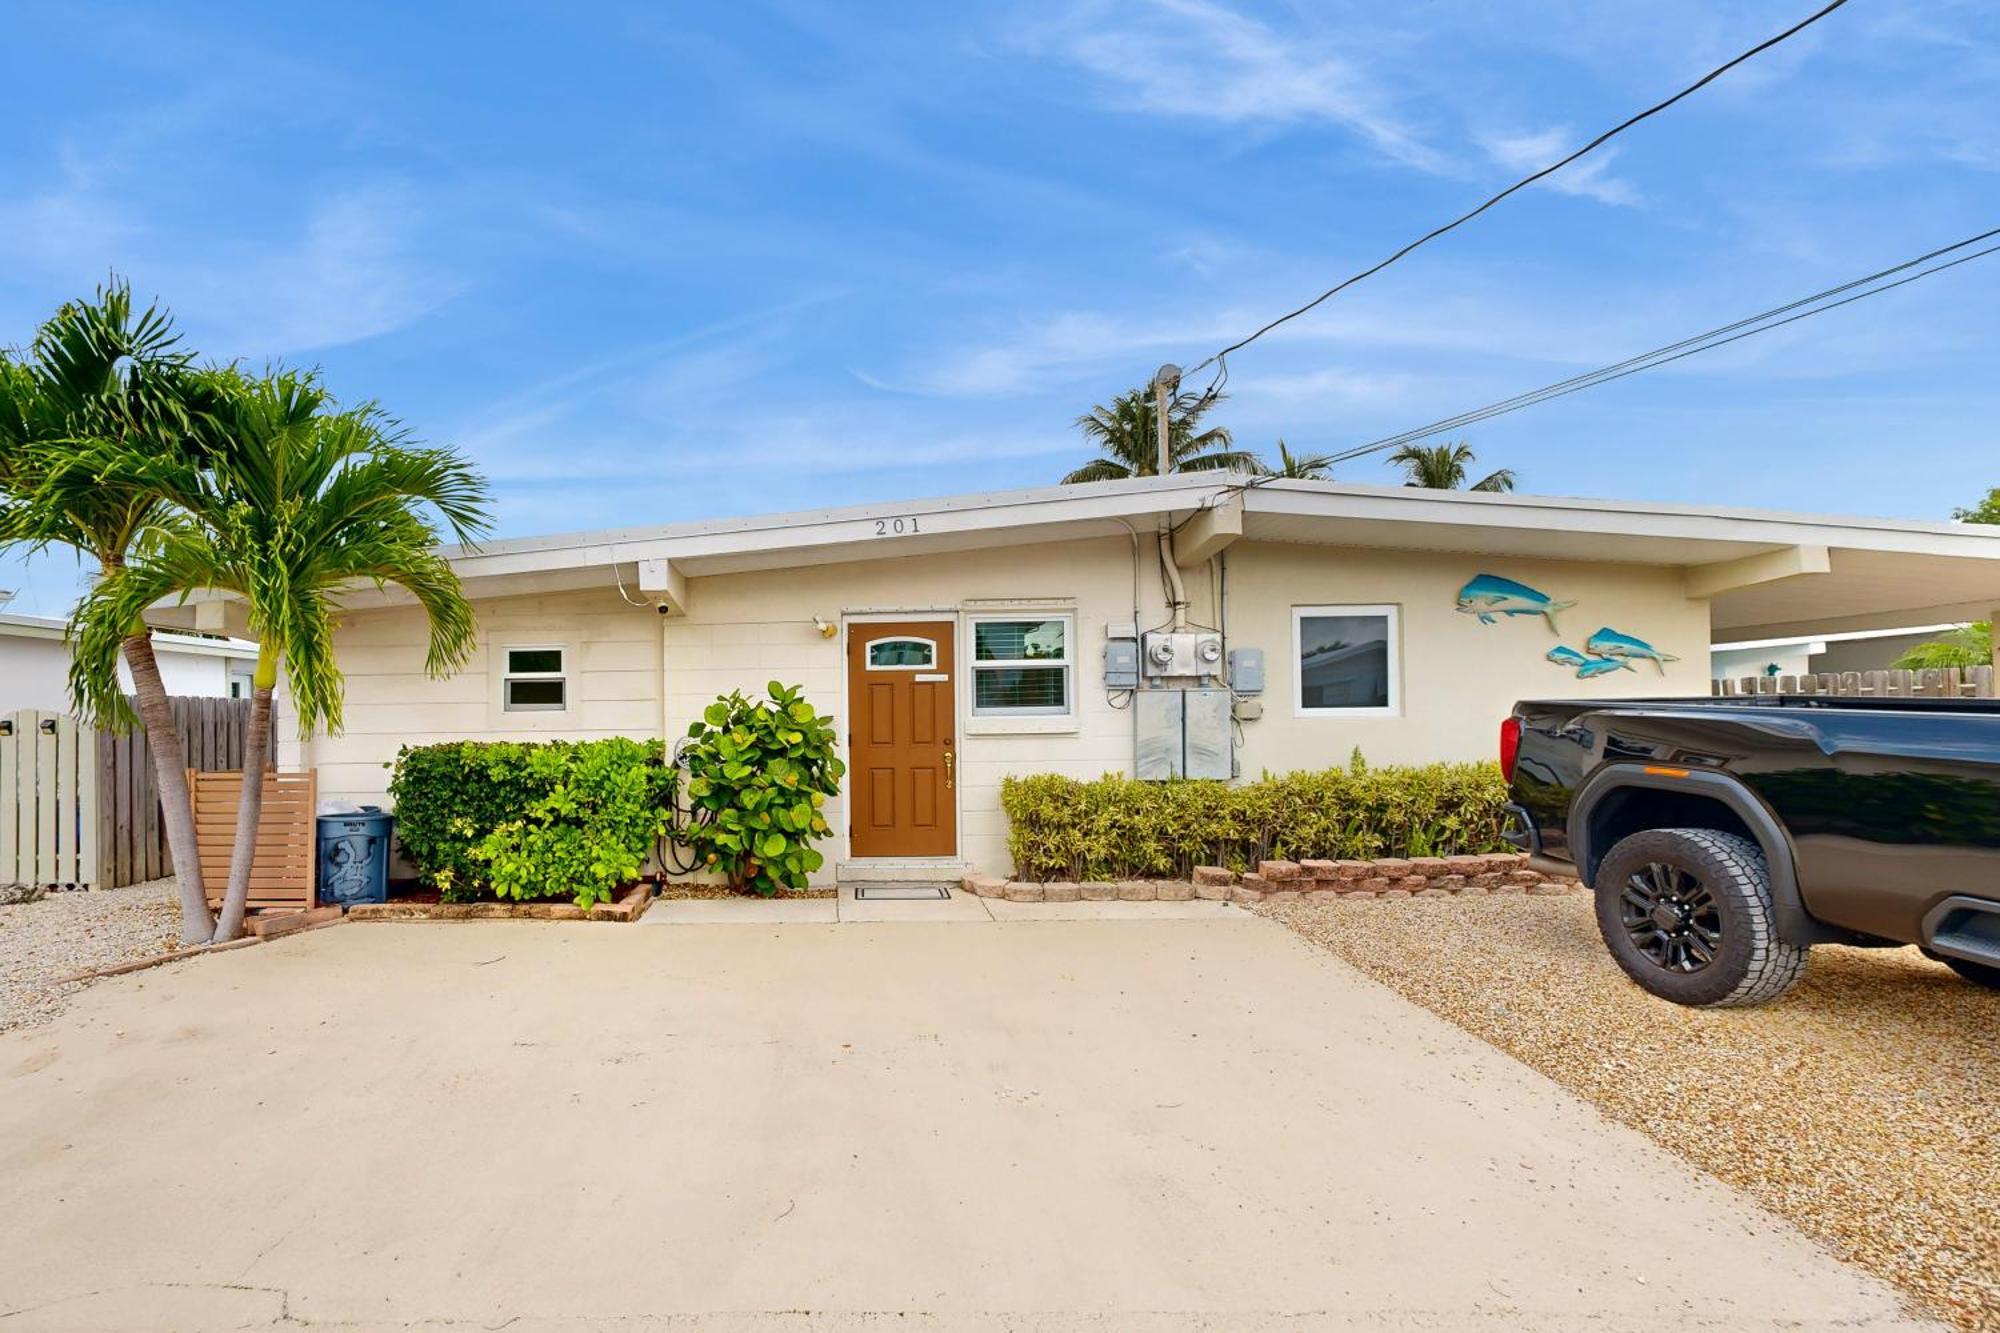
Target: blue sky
<point>649,263</point>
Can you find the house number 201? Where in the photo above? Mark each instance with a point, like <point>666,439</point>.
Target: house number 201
<point>895,527</point>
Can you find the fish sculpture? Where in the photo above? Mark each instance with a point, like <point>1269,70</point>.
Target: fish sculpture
<point>1489,595</point>
<point>1608,642</point>
<point>1586,666</point>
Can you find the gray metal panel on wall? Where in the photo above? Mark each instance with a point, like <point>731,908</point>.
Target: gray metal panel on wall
<point>1208,752</point>
<point>1157,720</point>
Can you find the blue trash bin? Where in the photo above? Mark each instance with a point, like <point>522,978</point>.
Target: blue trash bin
<point>354,857</point>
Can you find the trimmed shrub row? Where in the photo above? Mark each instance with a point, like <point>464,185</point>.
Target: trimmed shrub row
<point>552,819</point>
<point>1117,828</point>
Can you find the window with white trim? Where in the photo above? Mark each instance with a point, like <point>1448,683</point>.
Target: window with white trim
<point>534,681</point>
<point>1022,666</point>
<point>1346,659</point>
<point>902,653</point>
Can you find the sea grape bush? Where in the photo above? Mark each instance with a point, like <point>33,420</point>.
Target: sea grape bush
<point>759,773</point>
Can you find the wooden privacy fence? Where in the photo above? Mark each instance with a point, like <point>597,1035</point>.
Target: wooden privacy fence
<point>1929,683</point>
<point>282,873</point>
<point>79,807</point>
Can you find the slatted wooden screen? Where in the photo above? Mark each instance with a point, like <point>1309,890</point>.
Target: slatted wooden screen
<point>48,800</point>
<point>1928,683</point>
<point>283,874</point>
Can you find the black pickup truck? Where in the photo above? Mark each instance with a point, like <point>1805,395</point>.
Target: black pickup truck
<point>1725,837</point>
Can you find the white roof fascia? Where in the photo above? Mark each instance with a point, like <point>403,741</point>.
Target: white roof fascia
<point>1849,637</point>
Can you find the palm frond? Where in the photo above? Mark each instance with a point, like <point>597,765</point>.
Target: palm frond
<point>1968,646</point>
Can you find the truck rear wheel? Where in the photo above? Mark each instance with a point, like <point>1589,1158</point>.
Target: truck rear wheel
<point>1687,913</point>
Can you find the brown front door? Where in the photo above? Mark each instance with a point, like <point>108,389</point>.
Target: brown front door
<point>901,773</point>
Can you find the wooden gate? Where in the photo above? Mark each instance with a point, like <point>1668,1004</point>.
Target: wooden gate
<point>80,808</point>
<point>48,800</point>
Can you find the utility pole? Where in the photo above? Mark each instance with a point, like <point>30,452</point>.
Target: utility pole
<point>1165,381</point>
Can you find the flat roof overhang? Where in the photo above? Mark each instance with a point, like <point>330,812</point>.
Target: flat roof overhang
<point>1766,574</point>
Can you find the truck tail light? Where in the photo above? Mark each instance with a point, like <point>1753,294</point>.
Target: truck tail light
<point>1510,746</point>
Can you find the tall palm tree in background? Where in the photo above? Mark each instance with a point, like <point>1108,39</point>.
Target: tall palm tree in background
<point>297,501</point>
<point>1443,467</point>
<point>102,378</point>
<point>1303,467</point>
<point>1126,434</point>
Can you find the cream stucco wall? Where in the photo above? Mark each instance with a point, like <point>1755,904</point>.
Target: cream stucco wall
<point>1459,677</point>
<point>390,702</point>
<point>641,674</point>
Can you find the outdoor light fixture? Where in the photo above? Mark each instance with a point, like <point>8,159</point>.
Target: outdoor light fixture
<point>827,629</point>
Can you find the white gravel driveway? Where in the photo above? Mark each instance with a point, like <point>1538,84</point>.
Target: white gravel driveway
<point>66,933</point>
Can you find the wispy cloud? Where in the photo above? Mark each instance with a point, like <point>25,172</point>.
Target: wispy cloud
<point>1203,60</point>
<point>1589,178</point>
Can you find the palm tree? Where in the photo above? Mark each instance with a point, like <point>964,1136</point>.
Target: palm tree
<point>1127,436</point>
<point>102,378</point>
<point>1442,467</point>
<point>1966,646</point>
<point>1301,467</point>
<point>298,501</point>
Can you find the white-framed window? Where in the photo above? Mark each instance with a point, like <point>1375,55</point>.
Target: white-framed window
<point>1346,661</point>
<point>1022,665</point>
<point>534,680</point>
<point>902,652</point>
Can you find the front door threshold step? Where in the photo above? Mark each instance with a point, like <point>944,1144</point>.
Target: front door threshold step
<point>902,870</point>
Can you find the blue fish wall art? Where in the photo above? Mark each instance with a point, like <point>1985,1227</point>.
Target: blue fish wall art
<point>1608,642</point>
<point>1489,595</point>
<point>1585,665</point>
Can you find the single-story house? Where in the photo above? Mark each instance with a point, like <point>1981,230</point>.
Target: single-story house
<point>34,664</point>
<point>963,639</point>
<point>1856,650</point>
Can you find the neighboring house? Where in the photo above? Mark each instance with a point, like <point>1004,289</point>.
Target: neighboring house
<point>34,664</point>
<point>1859,650</point>
<point>963,639</point>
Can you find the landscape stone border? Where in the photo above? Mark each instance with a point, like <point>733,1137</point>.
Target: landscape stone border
<point>1290,881</point>
<point>629,907</point>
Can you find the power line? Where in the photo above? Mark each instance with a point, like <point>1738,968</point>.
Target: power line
<point>1220,359</point>
<point>1777,317</point>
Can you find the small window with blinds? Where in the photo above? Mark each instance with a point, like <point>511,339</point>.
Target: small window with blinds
<point>1021,667</point>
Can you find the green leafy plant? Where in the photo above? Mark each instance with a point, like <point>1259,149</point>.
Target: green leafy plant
<point>1120,828</point>
<point>759,773</point>
<point>559,819</point>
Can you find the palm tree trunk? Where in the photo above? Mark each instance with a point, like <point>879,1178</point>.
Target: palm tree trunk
<point>256,760</point>
<point>163,740</point>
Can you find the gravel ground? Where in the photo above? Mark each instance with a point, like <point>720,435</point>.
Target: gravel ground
<point>69,932</point>
<point>1864,1106</point>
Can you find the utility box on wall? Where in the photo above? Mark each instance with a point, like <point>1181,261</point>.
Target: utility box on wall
<point>1157,724</point>
<point>1205,748</point>
<point>1183,734</point>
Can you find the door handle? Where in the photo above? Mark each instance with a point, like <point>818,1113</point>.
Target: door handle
<point>947,766</point>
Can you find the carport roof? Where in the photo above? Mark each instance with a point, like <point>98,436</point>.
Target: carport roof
<point>1767,573</point>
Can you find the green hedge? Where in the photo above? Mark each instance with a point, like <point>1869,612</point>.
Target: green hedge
<point>1121,828</point>
<point>553,819</point>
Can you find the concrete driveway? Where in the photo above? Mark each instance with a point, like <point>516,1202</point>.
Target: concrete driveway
<point>1038,1125</point>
